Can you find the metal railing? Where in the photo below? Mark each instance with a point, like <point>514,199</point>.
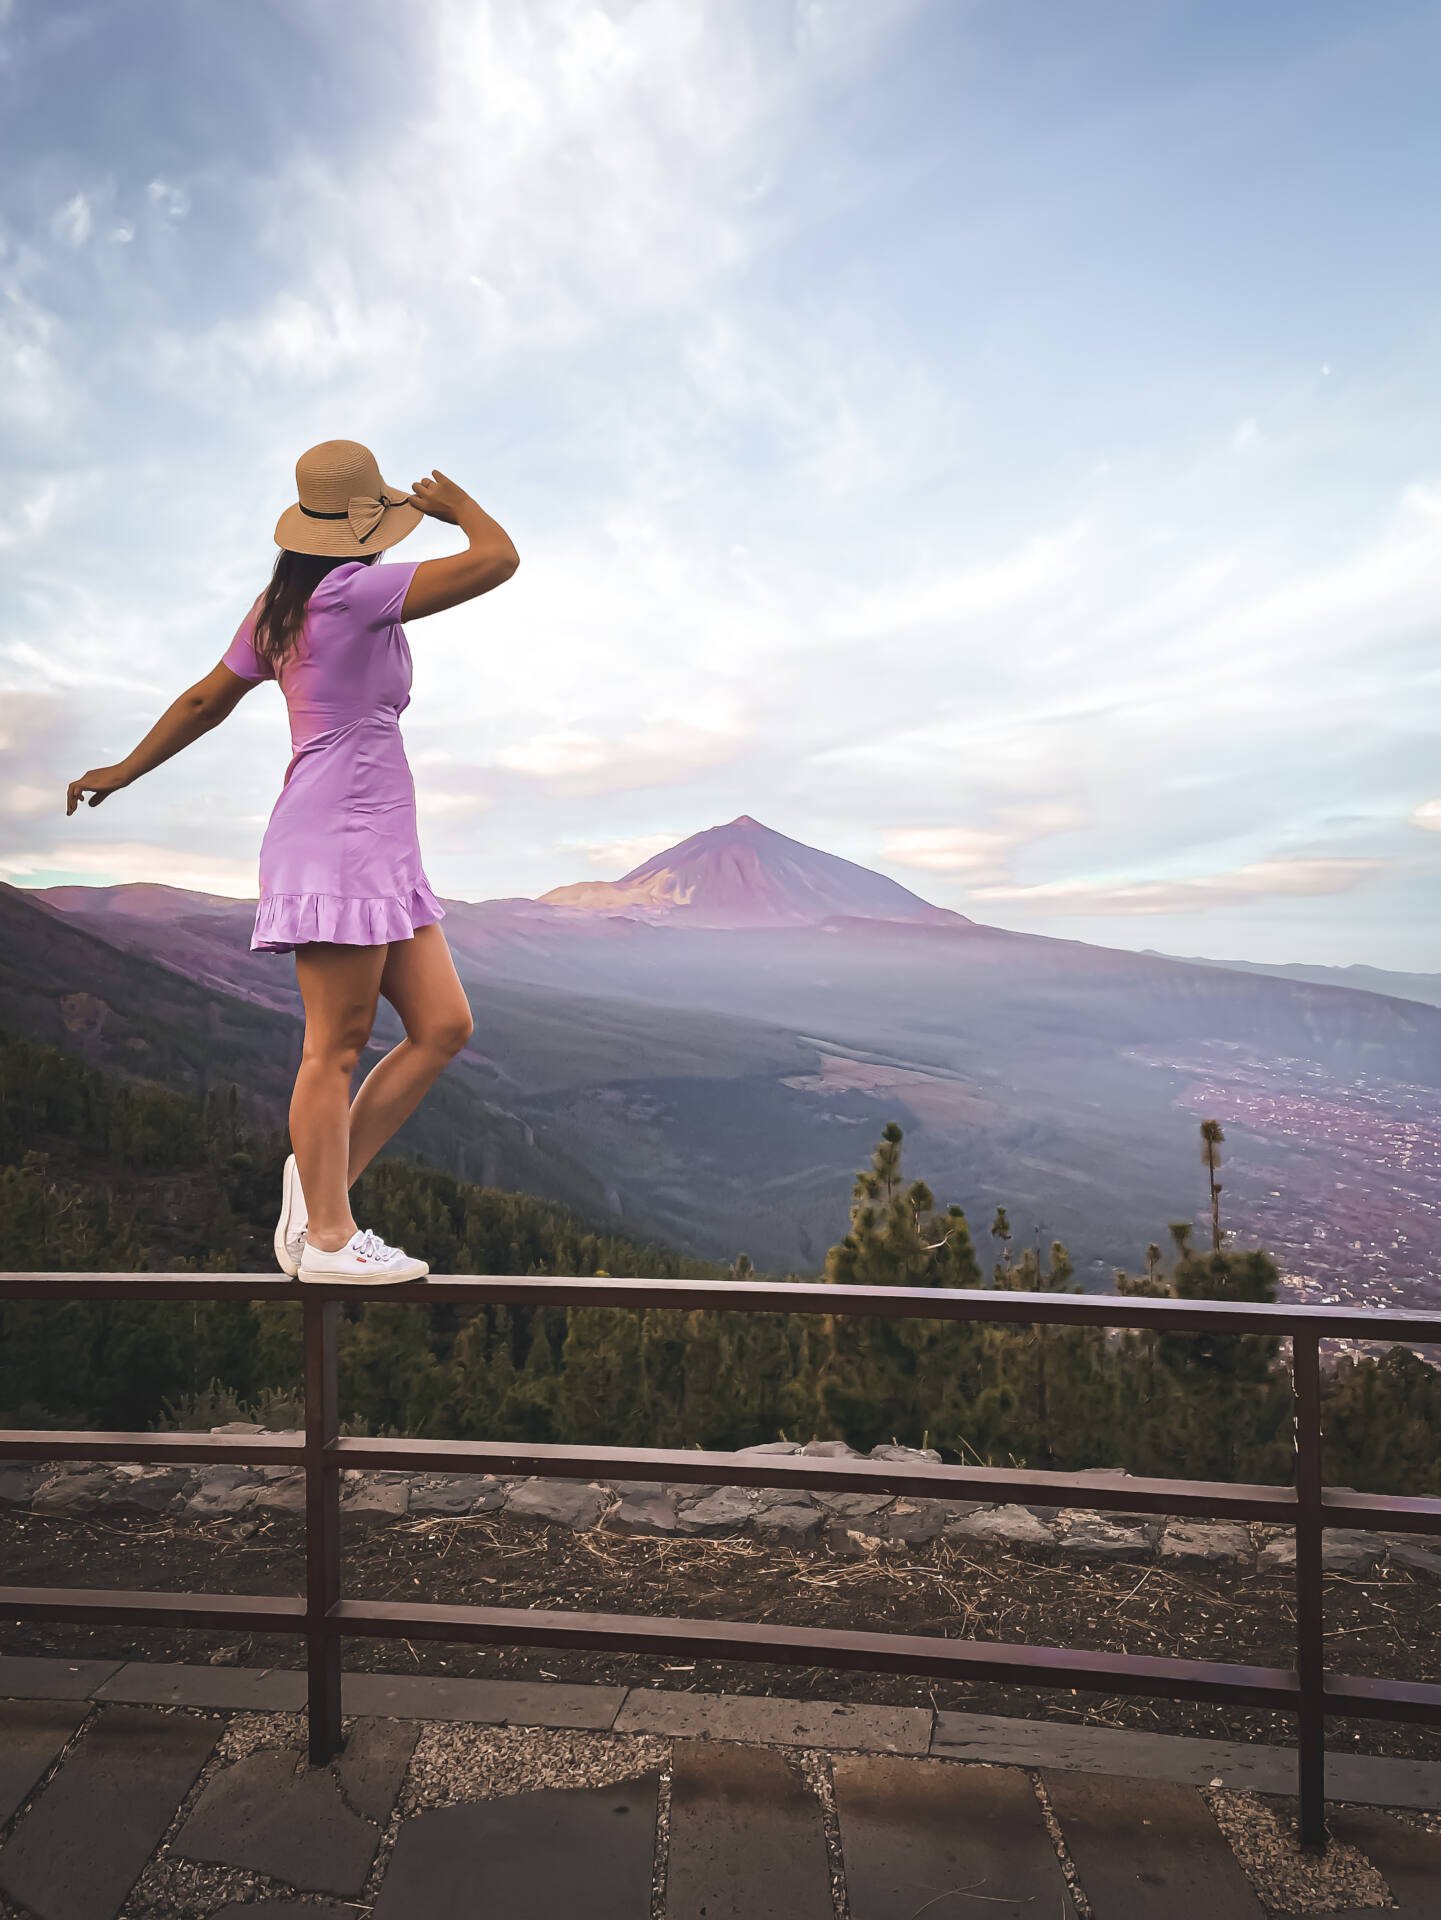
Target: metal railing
<point>325,1617</point>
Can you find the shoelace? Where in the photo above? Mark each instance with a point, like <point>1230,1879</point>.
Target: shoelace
<point>373,1247</point>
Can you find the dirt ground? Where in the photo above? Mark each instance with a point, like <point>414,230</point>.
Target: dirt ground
<point>1387,1623</point>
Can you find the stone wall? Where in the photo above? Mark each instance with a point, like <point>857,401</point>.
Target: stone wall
<point>845,1523</point>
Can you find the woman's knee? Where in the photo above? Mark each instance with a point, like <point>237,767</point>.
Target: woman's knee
<point>339,1043</point>
<point>446,1033</point>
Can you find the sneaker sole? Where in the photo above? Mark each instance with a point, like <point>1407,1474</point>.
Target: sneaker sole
<point>359,1280</point>
<point>289,1183</point>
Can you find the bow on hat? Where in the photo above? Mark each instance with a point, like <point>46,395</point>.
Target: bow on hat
<point>365,513</point>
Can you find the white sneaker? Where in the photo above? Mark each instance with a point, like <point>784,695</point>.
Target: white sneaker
<point>364,1260</point>
<point>290,1227</point>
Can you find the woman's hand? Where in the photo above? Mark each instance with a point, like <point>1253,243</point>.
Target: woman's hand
<point>441,498</point>
<point>100,782</point>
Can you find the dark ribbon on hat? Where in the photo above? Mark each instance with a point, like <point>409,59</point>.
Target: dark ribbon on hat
<point>364,513</point>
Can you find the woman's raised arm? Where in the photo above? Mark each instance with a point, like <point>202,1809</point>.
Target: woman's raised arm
<point>490,559</point>
<point>197,710</point>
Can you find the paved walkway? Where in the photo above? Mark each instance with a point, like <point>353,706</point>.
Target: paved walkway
<point>135,1792</point>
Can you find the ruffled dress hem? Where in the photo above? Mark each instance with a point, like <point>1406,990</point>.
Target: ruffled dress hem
<point>285,921</point>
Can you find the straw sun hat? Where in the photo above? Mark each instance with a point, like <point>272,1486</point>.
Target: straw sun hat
<point>344,507</point>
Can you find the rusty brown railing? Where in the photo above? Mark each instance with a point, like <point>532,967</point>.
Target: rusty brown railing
<point>325,1617</point>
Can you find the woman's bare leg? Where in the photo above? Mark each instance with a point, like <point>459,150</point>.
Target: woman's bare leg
<point>340,986</point>
<point>421,983</point>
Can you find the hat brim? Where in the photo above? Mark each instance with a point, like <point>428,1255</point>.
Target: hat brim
<point>300,533</point>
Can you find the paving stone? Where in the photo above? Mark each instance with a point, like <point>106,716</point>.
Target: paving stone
<point>315,1828</point>
<point>585,1853</point>
<point>18,1482</point>
<point>73,1490</point>
<point>116,1793</point>
<point>1002,1527</point>
<point>1192,1544</point>
<point>746,1838</point>
<point>781,1723</point>
<point>1407,1858</point>
<point>919,1834</point>
<point>791,1526</point>
<point>1147,1847</point>
<point>726,1510</point>
<point>651,1511</point>
<point>32,1734</point>
<point>1105,1539</point>
<point>501,1703</point>
<point>42,1676</point>
<point>566,1503</point>
<point>158,1683</point>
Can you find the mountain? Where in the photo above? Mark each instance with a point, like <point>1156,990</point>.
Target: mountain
<point>717,1086</point>
<point>1425,987</point>
<point>747,875</point>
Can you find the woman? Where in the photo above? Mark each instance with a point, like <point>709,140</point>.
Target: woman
<point>341,880</point>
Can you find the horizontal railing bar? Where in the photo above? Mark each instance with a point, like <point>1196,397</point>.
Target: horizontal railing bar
<point>154,1449</point>
<point>1392,1512</point>
<point>819,1472</point>
<point>1368,1699</point>
<point>995,1305</point>
<point>99,1606</point>
<point>814,1646</point>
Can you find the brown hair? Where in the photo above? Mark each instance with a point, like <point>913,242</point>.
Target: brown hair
<point>282,609</point>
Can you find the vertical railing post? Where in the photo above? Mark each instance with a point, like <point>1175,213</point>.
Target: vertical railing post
<point>1310,1645</point>
<point>322,1529</point>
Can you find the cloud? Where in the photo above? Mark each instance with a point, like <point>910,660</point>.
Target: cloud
<point>71,223</point>
<point>978,855</point>
<point>1260,880</point>
<point>120,862</point>
<point>171,202</point>
<point>1428,815</point>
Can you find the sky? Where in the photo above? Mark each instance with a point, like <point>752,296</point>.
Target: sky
<point>995,441</point>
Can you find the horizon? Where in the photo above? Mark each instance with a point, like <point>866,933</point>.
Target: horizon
<point>991,441</point>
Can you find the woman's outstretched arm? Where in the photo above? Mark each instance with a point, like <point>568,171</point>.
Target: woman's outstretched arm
<point>490,558</point>
<point>197,710</point>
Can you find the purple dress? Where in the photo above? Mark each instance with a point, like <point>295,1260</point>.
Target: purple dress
<point>340,860</point>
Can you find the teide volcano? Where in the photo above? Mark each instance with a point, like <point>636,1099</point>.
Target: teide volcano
<point>746,875</point>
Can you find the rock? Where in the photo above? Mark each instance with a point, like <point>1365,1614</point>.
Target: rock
<point>74,1490</point>
<point>892,1452</point>
<point>1211,1544</point>
<point>912,1522</point>
<point>773,1446</point>
<point>1406,1553</point>
<point>222,1493</point>
<point>566,1503</point>
<point>726,1510</point>
<point>767,1499</point>
<point>225,1657</point>
<point>854,1507</point>
<point>790,1526</point>
<point>1097,1537</point>
<point>18,1482</point>
<point>150,1489</point>
<point>240,1426</point>
<point>1278,1556</point>
<point>830,1450</point>
<point>286,1495</point>
<point>376,1497</point>
<point>1343,1551</point>
<point>651,1511</point>
<point>456,1493</point>
<point>1002,1527</point>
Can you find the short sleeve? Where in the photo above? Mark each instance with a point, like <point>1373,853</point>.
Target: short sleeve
<point>240,656</point>
<point>375,594</point>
